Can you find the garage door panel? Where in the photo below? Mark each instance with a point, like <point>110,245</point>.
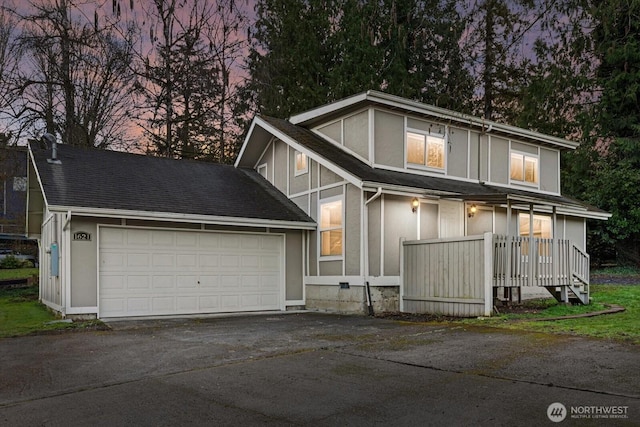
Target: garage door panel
<point>163,260</point>
<point>137,237</point>
<point>138,260</point>
<point>209,281</point>
<point>113,282</point>
<point>187,282</point>
<point>209,303</point>
<point>136,282</point>
<point>147,272</point>
<point>228,241</point>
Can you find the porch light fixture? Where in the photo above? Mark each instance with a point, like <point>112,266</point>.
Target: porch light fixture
<point>414,204</point>
<point>472,211</point>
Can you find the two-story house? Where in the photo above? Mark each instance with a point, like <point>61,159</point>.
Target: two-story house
<point>371,202</point>
<point>375,169</point>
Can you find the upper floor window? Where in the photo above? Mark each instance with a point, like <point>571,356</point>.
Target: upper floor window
<point>331,228</point>
<point>524,168</point>
<point>302,165</point>
<point>425,150</point>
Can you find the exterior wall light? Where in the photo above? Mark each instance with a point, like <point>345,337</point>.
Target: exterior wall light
<point>414,204</point>
<point>472,211</point>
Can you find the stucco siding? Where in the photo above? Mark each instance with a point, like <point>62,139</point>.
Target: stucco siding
<point>267,159</point>
<point>313,170</point>
<point>458,154</point>
<point>399,222</point>
<point>425,126</point>
<point>293,264</point>
<point>333,131</point>
<point>356,133</point>
<point>328,177</point>
<point>428,221</point>
<point>280,175</point>
<point>473,155</point>
<point>313,237</point>
<point>482,222</point>
<point>484,158</point>
<point>352,230</point>
<point>549,170</point>
<point>374,236</point>
<point>84,259</point>
<point>575,231</point>
<point>389,139</point>
<point>525,148</point>
<point>330,268</point>
<point>302,202</point>
<point>499,160</point>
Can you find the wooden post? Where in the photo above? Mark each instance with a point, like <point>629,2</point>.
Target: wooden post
<point>508,246</point>
<point>531,246</point>
<point>554,248</point>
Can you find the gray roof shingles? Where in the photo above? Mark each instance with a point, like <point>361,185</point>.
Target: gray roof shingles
<point>103,179</point>
<point>433,184</point>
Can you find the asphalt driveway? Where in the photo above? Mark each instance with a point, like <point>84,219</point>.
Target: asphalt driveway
<point>314,369</point>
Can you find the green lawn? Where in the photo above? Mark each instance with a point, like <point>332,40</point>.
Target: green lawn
<point>18,273</point>
<point>22,314</point>
<point>623,326</point>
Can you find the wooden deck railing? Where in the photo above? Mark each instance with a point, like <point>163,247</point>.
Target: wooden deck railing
<point>523,261</point>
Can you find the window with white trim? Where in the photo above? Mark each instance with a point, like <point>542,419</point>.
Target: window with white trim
<point>541,226</point>
<point>302,165</point>
<point>425,150</point>
<point>330,228</point>
<point>524,168</point>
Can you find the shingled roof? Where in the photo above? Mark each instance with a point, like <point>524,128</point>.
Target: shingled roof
<point>102,179</point>
<point>442,187</point>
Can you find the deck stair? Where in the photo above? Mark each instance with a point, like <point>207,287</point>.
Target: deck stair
<point>557,265</point>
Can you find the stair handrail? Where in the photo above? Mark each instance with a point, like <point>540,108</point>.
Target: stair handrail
<point>579,264</point>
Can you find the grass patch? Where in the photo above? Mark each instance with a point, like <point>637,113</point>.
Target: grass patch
<point>18,273</point>
<point>619,326</point>
<point>22,314</point>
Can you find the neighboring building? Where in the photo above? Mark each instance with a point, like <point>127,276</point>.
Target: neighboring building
<point>13,175</point>
<point>321,212</point>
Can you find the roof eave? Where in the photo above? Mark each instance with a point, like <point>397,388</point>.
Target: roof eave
<point>182,217</point>
<point>393,101</point>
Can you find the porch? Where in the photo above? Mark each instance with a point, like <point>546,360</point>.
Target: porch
<point>465,276</point>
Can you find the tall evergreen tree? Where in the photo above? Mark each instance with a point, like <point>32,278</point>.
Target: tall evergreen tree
<point>308,53</point>
<point>615,185</point>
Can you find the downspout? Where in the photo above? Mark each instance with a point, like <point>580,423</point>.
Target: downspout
<point>365,233</point>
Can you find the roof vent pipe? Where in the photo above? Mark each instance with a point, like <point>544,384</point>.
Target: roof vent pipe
<point>51,140</point>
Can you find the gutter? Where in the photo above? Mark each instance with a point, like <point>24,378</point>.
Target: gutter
<point>178,217</point>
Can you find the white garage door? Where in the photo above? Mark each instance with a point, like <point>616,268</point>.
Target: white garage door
<point>146,272</point>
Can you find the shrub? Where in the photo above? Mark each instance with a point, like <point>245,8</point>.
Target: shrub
<point>11,261</point>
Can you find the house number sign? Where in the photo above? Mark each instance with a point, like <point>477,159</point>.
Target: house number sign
<point>82,235</point>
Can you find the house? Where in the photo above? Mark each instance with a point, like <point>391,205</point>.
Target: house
<point>13,167</point>
<point>373,202</point>
<point>374,169</point>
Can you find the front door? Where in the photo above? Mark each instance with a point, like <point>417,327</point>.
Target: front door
<point>451,219</point>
